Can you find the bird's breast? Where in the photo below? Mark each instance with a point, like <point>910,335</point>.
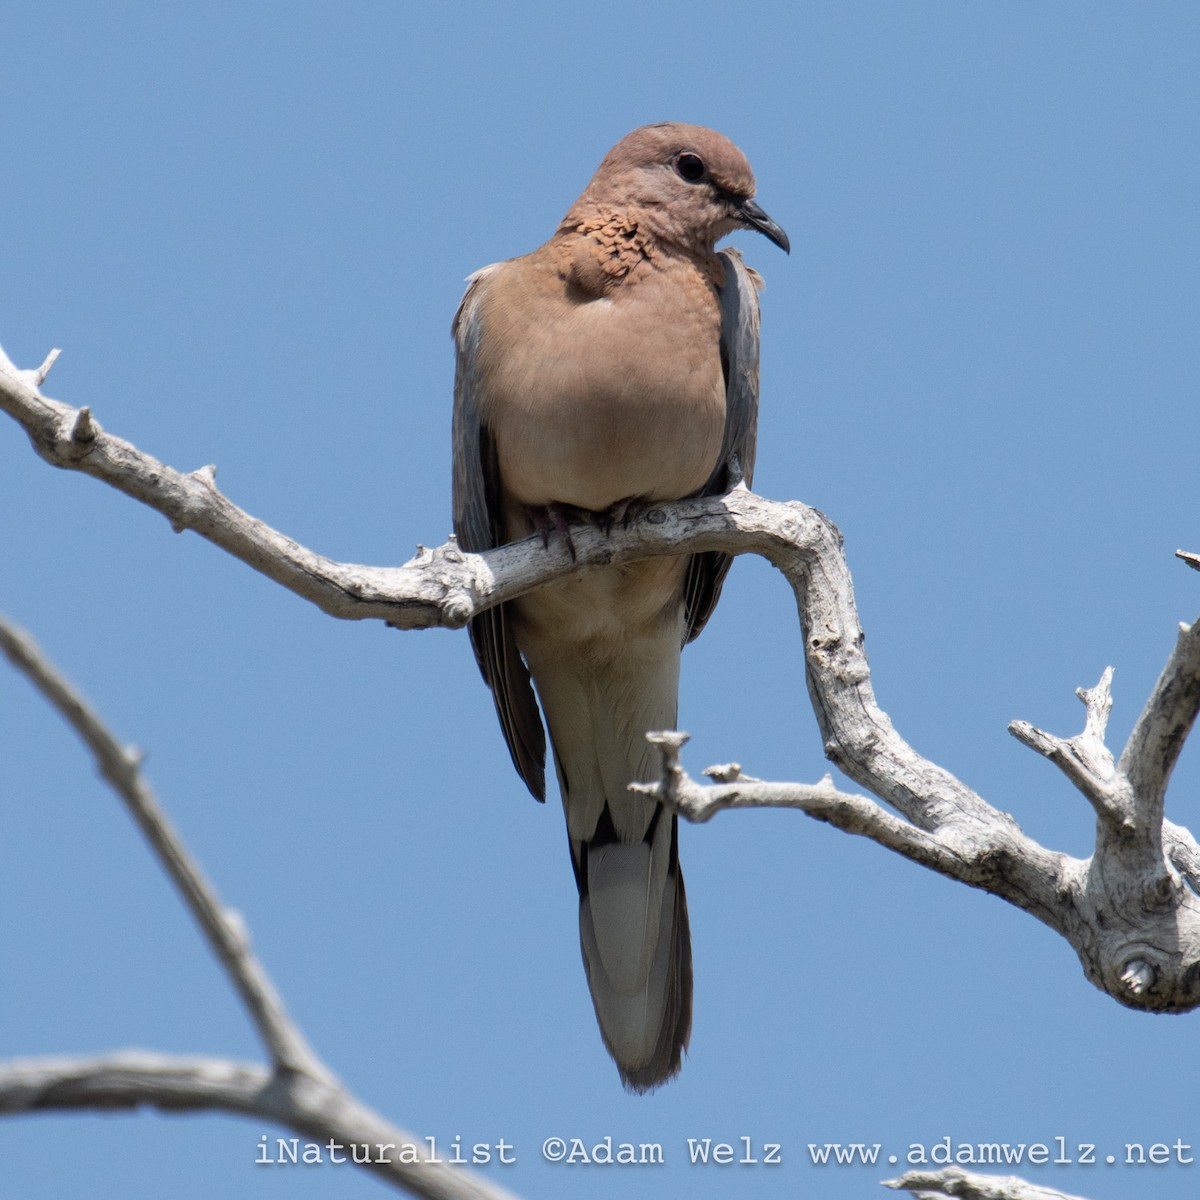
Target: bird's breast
<point>598,400</point>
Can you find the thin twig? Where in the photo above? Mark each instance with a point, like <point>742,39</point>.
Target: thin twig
<point>1085,759</point>
<point>848,811</point>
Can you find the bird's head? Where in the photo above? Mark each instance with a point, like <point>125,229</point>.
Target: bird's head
<point>689,185</point>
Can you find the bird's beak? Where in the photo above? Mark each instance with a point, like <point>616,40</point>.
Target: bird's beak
<point>753,217</point>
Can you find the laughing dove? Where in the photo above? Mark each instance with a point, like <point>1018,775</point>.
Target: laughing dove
<point>615,366</point>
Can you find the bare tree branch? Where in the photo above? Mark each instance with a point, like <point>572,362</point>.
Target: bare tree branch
<point>439,587</point>
<point>965,1185</point>
<point>1125,909</point>
<point>130,1079</point>
<point>1084,759</point>
<point>846,811</point>
<point>1158,736</point>
<point>300,1091</point>
<point>1134,925</point>
<point>313,1108</point>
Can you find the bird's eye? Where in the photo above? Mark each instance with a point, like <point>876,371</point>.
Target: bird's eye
<point>690,167</point>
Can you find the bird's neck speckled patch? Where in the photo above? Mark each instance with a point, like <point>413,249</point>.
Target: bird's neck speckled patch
<point>605,250</point>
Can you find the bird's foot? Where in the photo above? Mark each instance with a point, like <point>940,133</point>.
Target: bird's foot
<point>554,519</point>
<point>623,513</point>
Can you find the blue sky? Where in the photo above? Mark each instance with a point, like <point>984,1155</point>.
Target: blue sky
<point>247,226</point>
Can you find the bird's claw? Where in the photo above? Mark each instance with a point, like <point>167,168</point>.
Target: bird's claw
<point>553,519</point>
<point>623,513</point>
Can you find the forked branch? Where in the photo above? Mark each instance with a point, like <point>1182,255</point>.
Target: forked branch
<point>298,1090</point>
<point>1134,926</point>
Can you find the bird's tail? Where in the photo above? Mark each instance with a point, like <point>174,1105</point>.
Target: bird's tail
<point>633,930</point>
<point>602,687</point>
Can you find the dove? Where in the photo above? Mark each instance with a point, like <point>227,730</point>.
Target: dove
<point>613,368</point>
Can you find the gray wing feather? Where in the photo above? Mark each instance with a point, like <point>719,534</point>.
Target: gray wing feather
<point>739,356</point>
<point>479,525</point>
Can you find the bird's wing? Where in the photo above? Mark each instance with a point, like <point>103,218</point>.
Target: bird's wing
<point>739,357</point>
<point>479,525</point>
